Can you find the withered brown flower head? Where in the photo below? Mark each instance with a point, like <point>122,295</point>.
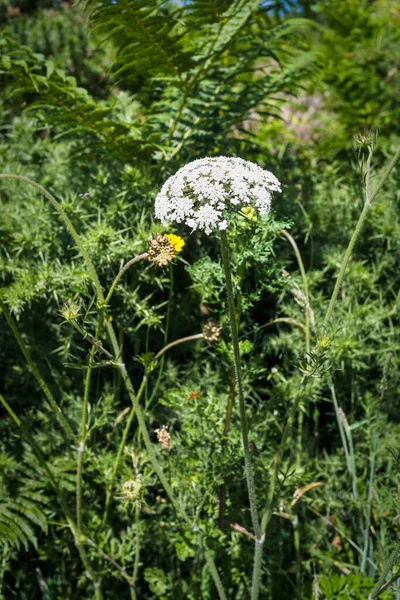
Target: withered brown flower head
<point>161,251</point>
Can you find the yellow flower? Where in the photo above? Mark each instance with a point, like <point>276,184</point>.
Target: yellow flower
<point>176,241</point>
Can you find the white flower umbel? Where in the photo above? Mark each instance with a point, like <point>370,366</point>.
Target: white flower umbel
<point>203,193</point>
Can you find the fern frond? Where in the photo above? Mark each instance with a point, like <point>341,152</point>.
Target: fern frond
<point>22,510</point>
<point>145,33</point>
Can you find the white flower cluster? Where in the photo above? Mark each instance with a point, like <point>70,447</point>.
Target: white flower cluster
<point>204,191</point>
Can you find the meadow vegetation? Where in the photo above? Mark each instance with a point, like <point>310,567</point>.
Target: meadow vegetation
<point>127,447</point>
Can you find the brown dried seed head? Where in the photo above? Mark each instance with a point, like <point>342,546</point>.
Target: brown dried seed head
<point>161,251</point>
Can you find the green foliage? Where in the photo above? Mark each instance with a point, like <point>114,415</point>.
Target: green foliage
<point>100,103</point>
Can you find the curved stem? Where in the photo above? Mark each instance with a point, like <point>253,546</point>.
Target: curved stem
<point>305,284</point>
<point>166,333</point>
<point>68,225</point>
<point>189,338</point>
<point>121,273</point>
<point>137,549</point>
<point>360,222</point>
<point>58,412</point>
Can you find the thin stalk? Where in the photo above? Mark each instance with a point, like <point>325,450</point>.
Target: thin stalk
<point>352,459</point>
<point>307,331</point>
<point>60,496</point>
<point>166,334</point>
<point>137,550</point>
<point>277,461</point>
<point>189,338</point>
<point>57,410</point>
<point>82,438</point>
<point>297,546</point>
<point>231,395</point>
<point>369,504</point>
<point>341,430</point>
<point>367,205</point>
<point>121,273</point>
<point>388,566</point>
<point>259,539</point>
<point>239,386</point>
<point>120,452</point>
<point>305,284</point>
<point>215,575</point>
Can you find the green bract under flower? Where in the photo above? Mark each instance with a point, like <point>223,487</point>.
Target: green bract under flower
<point>204,192</point>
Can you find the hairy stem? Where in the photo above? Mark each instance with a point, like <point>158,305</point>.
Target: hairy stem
<point>239,385</point>
<point>82,438</point>
<point>243,419</point>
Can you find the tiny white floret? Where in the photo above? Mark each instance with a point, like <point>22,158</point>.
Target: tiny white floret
<point>203,193</point>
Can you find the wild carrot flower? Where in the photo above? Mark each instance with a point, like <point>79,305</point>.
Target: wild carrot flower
<point>203,193</point>
<point>132,490</point>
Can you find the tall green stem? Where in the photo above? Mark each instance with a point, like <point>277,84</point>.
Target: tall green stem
<point>82,437</point>
<point>248,466</point>
<point>360,222</point>
<point>123,270</point>
<point>239,385</point>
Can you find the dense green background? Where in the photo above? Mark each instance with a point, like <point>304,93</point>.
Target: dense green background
<point>100,103</point>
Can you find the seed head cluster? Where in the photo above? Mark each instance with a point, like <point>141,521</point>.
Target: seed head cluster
<point>204,192</point>
<point>161,250</point>
<point>211,331</point>
<point>132,489</point>
<point>163,437</point>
